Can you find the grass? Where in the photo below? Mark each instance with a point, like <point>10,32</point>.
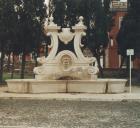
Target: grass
<point>7,75</point>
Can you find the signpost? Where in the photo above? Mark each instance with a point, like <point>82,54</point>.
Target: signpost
<point>130,52</point>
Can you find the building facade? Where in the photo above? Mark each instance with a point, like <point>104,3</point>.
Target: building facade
<point>112,58</point>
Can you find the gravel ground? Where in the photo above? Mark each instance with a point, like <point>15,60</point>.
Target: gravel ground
<point>68,114</point>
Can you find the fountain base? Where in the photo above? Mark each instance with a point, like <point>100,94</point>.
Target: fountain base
<point>66,86</point>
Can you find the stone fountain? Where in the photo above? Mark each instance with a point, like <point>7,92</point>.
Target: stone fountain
<point>66,71</point>
<point>65,63</point>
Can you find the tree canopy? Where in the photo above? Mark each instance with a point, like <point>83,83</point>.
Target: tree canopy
<point>21,28</point>
<point>7,27</point>
<point>129,34</point>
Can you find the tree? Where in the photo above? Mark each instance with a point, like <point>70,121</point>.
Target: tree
<point>31,17</point>
<point>129,34</point>
<point>98,30</point>
<point>7,25</point>
<point>21,28</point>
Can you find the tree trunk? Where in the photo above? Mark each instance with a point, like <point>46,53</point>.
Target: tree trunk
<point>46,51</point>
<point>8,63</point>
<point>36,63</point>
<point>23,65</point>
<point>1,64</point>
<point>13,66</point>
<point>99,65</point>
<point>36,56</point>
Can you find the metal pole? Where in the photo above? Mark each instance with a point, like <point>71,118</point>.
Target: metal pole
<point>130,77</point>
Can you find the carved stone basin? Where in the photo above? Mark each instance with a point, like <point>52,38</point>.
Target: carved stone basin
<point>66,86</point>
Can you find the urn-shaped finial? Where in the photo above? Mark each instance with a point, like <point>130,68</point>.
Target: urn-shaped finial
<point>66,35</point>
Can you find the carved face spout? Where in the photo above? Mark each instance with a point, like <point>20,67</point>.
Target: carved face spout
<point>66,62</point>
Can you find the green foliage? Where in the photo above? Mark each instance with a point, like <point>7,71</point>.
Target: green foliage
<point>21,24</point>
<point>31,15</point>
<point>21,27</point>
<point>96,18</point>
<point>129,34</point>
<point>7,25</point>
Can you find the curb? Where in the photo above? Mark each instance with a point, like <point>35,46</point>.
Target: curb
<point>73,97</point>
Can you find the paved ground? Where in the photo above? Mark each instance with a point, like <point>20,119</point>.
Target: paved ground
<point>68,114</point>
<point>73,110</point>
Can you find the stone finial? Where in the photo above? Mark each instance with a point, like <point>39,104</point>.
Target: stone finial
<point>52,27</point>
<point>80,25</point>
<point>51,23</point>
<point>81,18</point>
<point>51,19</point>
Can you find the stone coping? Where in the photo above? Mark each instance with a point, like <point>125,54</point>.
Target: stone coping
<point>34,80</point>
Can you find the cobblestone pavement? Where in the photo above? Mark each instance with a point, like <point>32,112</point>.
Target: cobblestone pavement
<point>68,114</point>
